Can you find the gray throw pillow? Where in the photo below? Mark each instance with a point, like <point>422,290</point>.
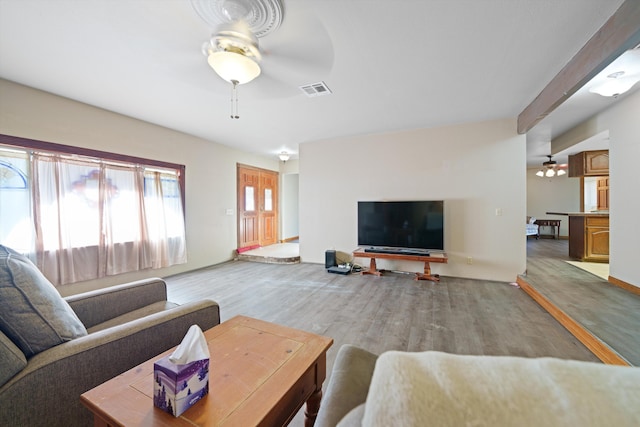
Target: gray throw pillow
<point>32,312</point>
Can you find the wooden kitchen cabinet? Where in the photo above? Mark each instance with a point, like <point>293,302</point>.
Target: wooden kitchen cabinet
<point>602,187</point>
<point>597,235</point>
<point>589,163</point>
<point>589,237</point>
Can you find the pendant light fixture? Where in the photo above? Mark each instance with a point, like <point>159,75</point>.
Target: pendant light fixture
<point>284,156</point>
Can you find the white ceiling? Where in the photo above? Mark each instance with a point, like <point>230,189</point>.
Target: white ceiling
<point>391,65</point>
<point>580,106</point>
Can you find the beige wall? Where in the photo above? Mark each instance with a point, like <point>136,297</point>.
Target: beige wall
<point>624,198</point>
<point>476,168</point>
<point>210,167</point>
<point>622,120</point>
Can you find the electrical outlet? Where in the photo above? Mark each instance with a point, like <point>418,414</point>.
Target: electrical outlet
<point>469,260</point>
<point>498,211</point>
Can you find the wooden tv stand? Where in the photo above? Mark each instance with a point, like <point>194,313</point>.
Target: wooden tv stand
<point>373,269</point>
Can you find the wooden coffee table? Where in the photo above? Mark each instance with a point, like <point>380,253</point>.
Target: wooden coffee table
<point>260,375</point>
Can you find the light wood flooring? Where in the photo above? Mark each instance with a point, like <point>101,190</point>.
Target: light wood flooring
<point>610,313</point>
<point>392,312</point>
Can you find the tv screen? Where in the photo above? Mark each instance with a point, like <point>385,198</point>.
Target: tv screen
<point>406,224</point>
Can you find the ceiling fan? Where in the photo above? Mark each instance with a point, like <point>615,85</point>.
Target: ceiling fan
<point>233,50</point>
<point>300,49</point>
<point>551,168</point>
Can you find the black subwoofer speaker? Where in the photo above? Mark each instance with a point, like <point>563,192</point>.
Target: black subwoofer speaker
<point>330,259</point>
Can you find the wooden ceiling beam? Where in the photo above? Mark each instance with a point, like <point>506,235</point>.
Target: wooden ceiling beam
<point>619,34</point>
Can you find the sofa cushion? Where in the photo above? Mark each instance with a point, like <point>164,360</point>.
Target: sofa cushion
<point>348,384</point>
<point>353,418</point>
<point>13,360</point>
<point>433,388</point>
<point>32,312</point>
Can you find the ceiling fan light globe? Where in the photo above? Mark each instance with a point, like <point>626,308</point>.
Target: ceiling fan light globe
<point>232,66</point>
<point>540,173</point>
<point>561,172</point>
<point>550,172</point>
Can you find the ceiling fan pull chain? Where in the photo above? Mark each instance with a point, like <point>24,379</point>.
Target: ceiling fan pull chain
<point>234,95</point>
<point>232,91</point>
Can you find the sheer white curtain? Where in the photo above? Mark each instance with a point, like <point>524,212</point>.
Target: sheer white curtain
<point>95,219</point>
<point>164,219</point>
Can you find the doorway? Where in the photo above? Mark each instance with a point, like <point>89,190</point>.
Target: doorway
<point>257,206</point>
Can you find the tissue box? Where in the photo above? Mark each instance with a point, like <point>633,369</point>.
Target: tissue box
<point>178,387</point>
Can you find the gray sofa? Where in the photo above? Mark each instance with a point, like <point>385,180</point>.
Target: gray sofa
<point>348,385</point>
<point>125,325</point>
<point>435,388</point>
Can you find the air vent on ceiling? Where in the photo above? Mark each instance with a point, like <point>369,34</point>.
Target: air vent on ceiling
<point>316,89</point>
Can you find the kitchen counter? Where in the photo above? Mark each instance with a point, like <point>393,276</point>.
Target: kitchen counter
<point>596,213</point>
<point>605,214</point>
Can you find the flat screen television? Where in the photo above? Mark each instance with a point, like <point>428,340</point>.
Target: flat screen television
<point>404,224</point>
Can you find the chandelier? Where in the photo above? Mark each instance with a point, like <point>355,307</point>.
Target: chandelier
<point>550,169</point>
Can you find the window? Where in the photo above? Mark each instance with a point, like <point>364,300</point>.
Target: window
<point>268,200</point>
<point>249,199</point>
<point>15,230</point>
<point>82,217</point>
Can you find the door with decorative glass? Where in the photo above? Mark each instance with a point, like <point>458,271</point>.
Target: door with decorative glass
<point>257,206</point>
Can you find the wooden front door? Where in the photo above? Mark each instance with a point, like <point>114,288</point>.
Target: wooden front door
<point>268,208</point>
<point>257,206</point>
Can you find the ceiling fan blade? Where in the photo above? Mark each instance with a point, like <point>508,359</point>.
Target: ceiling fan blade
<point>195,73</point>
<point>300,50</point>
<point>269,86</point>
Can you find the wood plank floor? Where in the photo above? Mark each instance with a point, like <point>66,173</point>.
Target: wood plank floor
<point>610,313</point>
<point>392,312</point>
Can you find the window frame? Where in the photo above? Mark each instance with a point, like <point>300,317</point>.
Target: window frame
<point>34,144</point>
